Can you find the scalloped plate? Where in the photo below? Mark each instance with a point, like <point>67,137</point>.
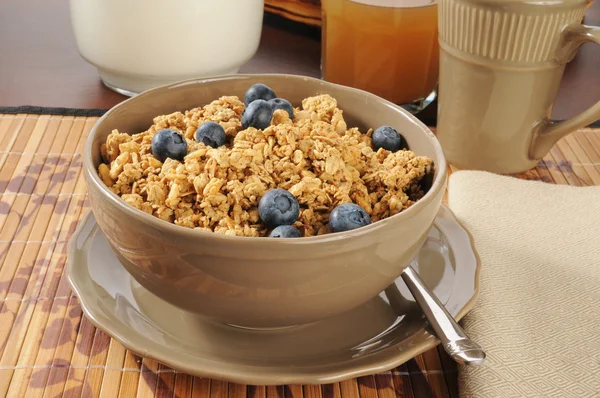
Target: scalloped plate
<point>377,336</point>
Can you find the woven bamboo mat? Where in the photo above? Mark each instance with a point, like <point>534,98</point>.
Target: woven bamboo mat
<point>304,11</point>
<point>48,349</point>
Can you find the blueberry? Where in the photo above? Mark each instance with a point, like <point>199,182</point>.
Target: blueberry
<point>258,115</point>
<point>285,231</point>
<point>388,138</point>
<point>211,134</point>
<point>348,216</point>
<point>280,103</point>
<point>168,143</point>
<point>258,91</point>
<point>278,207</point>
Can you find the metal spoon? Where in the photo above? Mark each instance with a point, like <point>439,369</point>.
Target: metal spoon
<point>454,340</point>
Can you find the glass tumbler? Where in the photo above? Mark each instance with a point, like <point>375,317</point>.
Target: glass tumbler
<point>387,47</point>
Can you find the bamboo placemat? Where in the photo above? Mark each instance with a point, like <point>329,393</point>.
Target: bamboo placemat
<point>48,349</point>
<point>304,11</point>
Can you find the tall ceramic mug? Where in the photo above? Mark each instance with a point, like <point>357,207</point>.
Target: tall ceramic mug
<point>501,64</point>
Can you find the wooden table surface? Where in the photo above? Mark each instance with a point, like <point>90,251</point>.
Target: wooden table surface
<point>40,65</point>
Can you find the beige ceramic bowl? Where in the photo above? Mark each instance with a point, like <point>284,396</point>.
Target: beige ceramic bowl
<point>262,282</point>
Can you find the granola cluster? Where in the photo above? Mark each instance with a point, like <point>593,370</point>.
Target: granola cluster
<point>315,156</point>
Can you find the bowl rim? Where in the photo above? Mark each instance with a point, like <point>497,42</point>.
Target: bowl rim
<point>439,181</point>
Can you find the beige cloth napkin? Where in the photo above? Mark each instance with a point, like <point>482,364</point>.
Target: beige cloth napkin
<point>538,311</point>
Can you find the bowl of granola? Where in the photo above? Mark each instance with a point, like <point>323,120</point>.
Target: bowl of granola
<point>263,200</point>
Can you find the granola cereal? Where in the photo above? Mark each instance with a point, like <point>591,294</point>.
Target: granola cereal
<point>315,156</point>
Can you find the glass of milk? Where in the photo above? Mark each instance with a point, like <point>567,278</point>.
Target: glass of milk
<point>140,44</point>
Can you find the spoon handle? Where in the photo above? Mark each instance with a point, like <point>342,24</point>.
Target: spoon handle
<point>454,340</point>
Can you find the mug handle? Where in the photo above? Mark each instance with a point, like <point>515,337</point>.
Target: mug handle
<point>550,132</point>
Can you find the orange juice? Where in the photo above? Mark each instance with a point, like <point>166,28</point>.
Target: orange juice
<point>387,47</point>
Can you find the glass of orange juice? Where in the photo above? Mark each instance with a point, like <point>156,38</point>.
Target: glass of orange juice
<point>386,47</point>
